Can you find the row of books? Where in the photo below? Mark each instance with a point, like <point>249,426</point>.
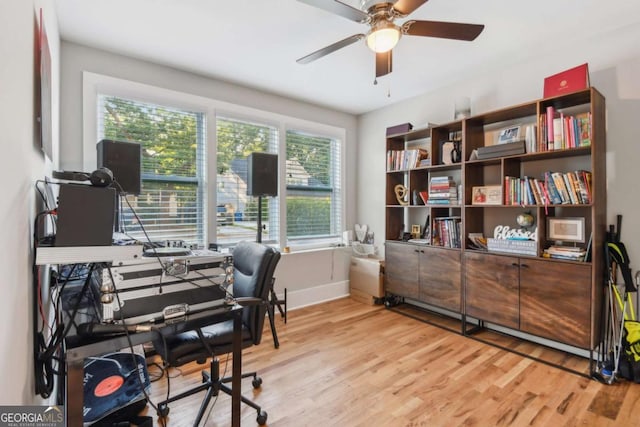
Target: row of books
<point>556,188</point>
<point>406,159</point>
<point>446,232</point>
<point>560,132</point>
<point>443,190</point>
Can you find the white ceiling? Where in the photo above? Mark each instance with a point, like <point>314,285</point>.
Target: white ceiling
<point>255,43</point>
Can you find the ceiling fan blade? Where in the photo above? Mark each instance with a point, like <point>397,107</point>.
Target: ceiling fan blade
<point>445,30</point>
<point>330,49</point>
<point>383,63</point>
<point>339,8</point>
<point>405,7</point>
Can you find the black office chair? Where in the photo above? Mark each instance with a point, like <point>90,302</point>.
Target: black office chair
<point>254,265</point>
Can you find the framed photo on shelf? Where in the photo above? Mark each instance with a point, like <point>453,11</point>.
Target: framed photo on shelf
<point>415,231</point>
<point>510,134</point>
<point>565,229</point>
<point>486,195</point>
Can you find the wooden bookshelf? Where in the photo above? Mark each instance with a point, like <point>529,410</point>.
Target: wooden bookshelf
<point>548,298</point>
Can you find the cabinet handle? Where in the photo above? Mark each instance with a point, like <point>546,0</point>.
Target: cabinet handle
<point>421,251</point>
<point>416,251</point>
<point>514,264</point>
<point>524,265</point>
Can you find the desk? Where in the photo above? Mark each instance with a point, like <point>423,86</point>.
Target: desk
<point>77,350</point>
<point>76,353</point>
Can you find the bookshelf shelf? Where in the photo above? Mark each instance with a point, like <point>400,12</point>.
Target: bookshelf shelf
<point>507,289</point>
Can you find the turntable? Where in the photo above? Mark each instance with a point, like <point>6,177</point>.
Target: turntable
<point>113,381</point>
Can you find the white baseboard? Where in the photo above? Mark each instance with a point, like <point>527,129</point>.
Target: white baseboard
<point>316,295</point>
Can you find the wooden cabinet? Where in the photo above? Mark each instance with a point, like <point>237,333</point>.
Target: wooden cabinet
<point>543,298</point>
<point>439,278</point>
<point>424,274</point>
<point>555,299</point>
<point>492,288</point>
<point>401,270</point>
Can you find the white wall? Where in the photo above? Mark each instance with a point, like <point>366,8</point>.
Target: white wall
<point>313,275</point>
<point>614,62</point>
<point>22,163</point>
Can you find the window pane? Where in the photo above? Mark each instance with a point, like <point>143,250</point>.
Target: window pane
<point>170,205</point>
<point>167,211</point>
<point>313,187</point>
<point>237,213</point>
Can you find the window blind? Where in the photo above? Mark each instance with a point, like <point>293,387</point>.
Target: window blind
<point>171,203</point>
<point>237,213</point>
<point>314,187</point>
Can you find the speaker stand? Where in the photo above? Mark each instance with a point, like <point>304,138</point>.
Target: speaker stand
<point>259,235</point>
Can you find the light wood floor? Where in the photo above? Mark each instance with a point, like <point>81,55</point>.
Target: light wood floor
<point>344,363</point>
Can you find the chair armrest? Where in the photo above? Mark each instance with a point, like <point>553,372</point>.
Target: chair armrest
<point>248,301</point>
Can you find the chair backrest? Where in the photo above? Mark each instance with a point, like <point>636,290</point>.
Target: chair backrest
<point>254,264</point>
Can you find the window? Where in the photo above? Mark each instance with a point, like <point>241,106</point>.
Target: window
<point>194,166</point>
<point>237,213</point>
<point>314,190</point>
<point>171,202</point>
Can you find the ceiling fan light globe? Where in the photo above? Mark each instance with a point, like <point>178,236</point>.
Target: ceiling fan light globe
<point>383,39</point>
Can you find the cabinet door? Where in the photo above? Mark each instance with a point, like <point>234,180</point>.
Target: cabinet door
<point>491,286</point>
<point>440,278</point>
<point>401,270</point>
<point>555,301</point>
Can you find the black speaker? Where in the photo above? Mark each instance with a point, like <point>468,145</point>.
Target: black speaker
<point>85,215</point>
<point>123,159</point>
<point>262,174</point>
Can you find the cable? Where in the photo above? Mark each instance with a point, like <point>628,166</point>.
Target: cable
<point>133,354</point>
<point>45,353</point>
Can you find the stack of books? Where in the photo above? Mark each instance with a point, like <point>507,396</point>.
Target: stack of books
<point>442,191</point>
<point>513,246</point>
<point>565,252</point>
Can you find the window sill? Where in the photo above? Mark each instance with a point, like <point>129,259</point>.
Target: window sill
<point>303,250</point>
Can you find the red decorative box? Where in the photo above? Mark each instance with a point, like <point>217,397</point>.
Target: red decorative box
<point>571,80</point>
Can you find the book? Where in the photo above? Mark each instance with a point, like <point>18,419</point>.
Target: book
<point>587,256</point>
<point>551,113</point>
<point>571,80</point>
<point>573,198</point>
<point>554,194</point>
<point>558,180</point>
<point>424,195</point>
<point>583,124</point>
<point>581,178</point>
<point>557,133</point>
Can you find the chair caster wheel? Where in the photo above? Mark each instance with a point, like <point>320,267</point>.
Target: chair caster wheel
<point>262,418</point>
<point>163,411</point>
<point>257,382</point>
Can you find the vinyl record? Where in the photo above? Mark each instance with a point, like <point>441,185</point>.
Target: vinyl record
<point>111,382</point>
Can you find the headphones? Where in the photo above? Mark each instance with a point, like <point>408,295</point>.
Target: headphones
<point>102,177</point>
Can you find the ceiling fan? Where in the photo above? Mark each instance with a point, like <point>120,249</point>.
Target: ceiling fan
<point>384,33</point>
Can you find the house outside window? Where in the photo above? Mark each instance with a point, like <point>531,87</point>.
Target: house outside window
<point>236,212</point>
